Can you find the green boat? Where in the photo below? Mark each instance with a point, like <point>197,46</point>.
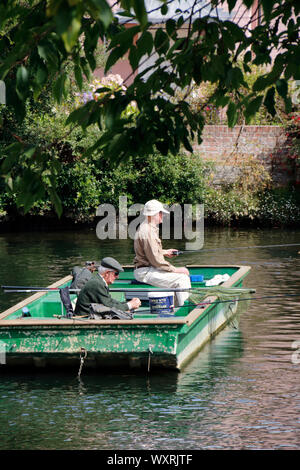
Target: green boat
<point>47,338</point>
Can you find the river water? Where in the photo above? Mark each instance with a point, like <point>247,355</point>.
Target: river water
<point>242,391</point>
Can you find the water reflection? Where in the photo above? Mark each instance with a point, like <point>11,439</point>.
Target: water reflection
<point>123,411</point>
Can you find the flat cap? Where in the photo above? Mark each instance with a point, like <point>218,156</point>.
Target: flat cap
<point>111,263</point>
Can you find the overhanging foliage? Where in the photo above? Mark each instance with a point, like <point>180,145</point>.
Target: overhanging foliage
<point>41,40</point>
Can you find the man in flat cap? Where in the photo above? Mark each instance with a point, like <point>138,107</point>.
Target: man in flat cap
<point>96,289</point>
<point>149,262</point>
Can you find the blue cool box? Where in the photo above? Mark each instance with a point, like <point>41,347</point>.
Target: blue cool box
<point>197,278</point>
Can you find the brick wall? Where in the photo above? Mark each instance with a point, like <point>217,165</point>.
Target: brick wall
<point>228,146</point>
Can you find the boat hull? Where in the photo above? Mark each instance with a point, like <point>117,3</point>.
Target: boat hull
<point>141,343</point>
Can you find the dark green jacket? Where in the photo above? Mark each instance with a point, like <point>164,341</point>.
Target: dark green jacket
<point>96,291</point>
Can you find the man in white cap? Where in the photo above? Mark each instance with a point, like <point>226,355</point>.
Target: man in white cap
<point>149,262</point>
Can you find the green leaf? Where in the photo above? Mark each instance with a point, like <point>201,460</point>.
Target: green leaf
<point>145,43</point>
<point>52,7</point>
<point>91,60</point>
<point>171,28</point>
<point>125,38</point>
<point>232,114</point>
<point>261,83</point>
<point>41,74</point>
<point>248,3</point>
<point>248,57</point>
<point>126,4</point>
<point>267,6</point>
<point>81,115</point>
<point>269,101</point>
<point>221,100</point>
<point>78,76</point>
<point>163,146</point>
<point>252,107</point>
<point>235,30</point>
<point>13,153</point>
<point>133,58</point>
<point>140,11</point>
<point>164,9</point>
<point>161,42</point>
<point>288,105</point>
<point>228,39</point>
<point>29,152</point>
<point>49,53</point>
<point>22,82</point>
<point>235,78</point>
<point>120,44</point>
<point>59,87</point>
<point>85,67</point>
<point>100,10</point>
<point>231,4</point>
<point>113,57</point>
<point>68,25</point>
<point>187,144</point>
<point>282,87</point>
<point>116,146</point>
<point>30,189</point>
<point>55,200</point>
<point>70,36</point>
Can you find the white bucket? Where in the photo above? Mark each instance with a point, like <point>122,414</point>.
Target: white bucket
<point>161,302</point>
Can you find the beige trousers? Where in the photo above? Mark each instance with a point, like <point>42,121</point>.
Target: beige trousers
<point>159,278</point>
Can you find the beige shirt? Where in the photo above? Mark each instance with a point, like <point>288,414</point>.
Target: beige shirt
<point>148,249</point>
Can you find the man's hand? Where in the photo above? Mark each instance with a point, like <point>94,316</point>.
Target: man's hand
<point>182,271</point>
<point>134,303</point>
<point>170,253</point>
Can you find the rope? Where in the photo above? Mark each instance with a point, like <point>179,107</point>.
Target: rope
<point>83,355</point>
<point>149,357</point>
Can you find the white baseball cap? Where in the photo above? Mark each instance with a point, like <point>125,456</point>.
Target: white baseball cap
<point>153,207</point>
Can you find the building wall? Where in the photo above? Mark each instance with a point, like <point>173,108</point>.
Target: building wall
<point>228,147</point>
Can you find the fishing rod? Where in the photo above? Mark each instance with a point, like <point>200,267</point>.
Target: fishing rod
<point>132,290</point>
<point>34,289</point>
<point>215,302</point>
<point>177,252</point>
<point>200,304</point>
<point>240,300</point>
<point>180,290</point>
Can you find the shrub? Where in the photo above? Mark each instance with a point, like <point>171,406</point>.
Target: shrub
<point>83,183</point>
<point>180,179</point>
<point>276,207</point>
<point>279,207</point>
